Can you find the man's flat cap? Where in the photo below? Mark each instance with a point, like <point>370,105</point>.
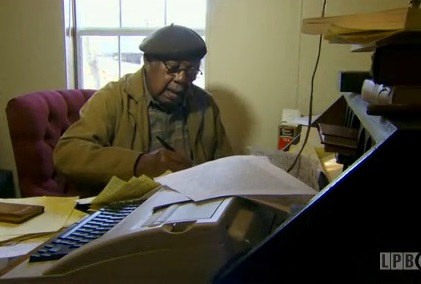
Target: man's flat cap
<point>174,42</point>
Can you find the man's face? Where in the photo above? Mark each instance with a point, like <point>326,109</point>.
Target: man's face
<point>168,81</point>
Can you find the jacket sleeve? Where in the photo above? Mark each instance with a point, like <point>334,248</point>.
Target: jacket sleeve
<point>85,153</point>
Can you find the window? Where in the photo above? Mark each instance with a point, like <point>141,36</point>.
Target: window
<point>108,34</point>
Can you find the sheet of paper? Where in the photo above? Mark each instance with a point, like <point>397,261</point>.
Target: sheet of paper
<point>17,250</point>
<point>86,200</point>
<point>303,120</point>
<point>117,189</point>
<point>166,197</point>
<point>24,246</point>
<point>57,211</point>
<point>235,176</point>
<point>14,239</point>
<point>76,216</point>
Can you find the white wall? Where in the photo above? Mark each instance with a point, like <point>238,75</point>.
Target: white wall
<point>31,56</point>
<point>252,65</point>
<point>259,62</point>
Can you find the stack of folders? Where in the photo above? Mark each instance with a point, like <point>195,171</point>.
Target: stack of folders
<point>339,139</point>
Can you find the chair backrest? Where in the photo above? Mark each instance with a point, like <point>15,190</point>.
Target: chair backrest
<point>36,122</point>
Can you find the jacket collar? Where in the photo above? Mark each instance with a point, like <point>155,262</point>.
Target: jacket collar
<point>134,85</point>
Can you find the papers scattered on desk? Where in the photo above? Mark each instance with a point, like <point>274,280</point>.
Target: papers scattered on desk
<point>74,217</point>
<point>19,239</point>
<point>57,211</point>
<point>235,176</point>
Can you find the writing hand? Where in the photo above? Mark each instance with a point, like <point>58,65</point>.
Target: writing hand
<point>157,162</point>
<point>164,143</point>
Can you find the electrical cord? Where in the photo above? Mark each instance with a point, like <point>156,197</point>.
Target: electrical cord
<point>310,108</point>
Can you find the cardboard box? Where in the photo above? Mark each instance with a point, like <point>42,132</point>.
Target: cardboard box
<point>287,133</point>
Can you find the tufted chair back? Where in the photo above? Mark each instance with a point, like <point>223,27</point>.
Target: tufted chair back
<point>36,122</point>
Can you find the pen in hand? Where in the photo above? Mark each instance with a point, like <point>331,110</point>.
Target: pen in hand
<point>165,144</point>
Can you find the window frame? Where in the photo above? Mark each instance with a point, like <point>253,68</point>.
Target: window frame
<point>116,32</point>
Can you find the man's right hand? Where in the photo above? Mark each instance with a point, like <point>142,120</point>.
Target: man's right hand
<point>155,163</point>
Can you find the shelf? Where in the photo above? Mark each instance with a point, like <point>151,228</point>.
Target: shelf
<point>378,127</point>
<point>365,29</point>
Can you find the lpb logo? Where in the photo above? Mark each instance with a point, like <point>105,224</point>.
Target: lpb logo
<point>400,261</point>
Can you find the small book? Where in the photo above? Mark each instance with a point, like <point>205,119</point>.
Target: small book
<point>339,141</point>
<point>18,213</point>
<point>337,138</point>
<point>338,131</point>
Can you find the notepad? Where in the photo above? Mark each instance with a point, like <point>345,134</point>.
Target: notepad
<point>18,213</point>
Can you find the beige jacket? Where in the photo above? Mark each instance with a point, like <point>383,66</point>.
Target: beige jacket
<point>113,130</point>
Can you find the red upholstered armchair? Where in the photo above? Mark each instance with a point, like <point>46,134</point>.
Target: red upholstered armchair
<point>36,122</point>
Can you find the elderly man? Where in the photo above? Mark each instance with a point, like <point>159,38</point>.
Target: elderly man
<point>122,126</point>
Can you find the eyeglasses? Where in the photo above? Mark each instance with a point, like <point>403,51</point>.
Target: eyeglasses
<point>173,69</point>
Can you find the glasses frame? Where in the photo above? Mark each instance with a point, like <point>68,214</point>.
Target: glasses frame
<point>191,72</point>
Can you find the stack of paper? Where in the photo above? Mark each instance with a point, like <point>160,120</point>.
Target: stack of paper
<point>57,211</point>
<point>119,190</point>
<point>254,177</point>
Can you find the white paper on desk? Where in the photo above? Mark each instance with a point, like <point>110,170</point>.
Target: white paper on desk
<point>235,176</point>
